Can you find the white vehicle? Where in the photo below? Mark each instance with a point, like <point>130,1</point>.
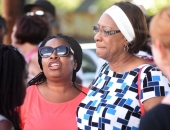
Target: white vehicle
<point>91,63</point>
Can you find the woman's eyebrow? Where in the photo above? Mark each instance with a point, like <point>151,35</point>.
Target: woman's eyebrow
<point>103,26</point>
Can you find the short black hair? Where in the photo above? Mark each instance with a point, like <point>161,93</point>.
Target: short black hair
<point>31,29</point>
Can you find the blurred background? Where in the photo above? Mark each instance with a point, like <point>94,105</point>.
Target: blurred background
<point>76,18</point>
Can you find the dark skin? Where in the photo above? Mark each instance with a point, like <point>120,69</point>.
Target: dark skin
<point>58,86</point>
<point>5,125</point>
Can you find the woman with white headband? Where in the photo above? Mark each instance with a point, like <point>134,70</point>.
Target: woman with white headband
<point>113,102</point>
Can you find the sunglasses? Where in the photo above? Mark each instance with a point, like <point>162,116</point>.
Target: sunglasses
<point>61,51</point>
<point>38,13</point>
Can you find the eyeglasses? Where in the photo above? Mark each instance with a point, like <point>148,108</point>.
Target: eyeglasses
<point>104,31</point>
<point>38,13</point>
<point>61,51</point>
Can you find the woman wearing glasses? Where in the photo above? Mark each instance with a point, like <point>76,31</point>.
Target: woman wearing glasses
<point>53,96</point>
<point>113,102</point>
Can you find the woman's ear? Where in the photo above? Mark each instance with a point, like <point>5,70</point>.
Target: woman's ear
<point>75,64</point>
<point>126,43</point>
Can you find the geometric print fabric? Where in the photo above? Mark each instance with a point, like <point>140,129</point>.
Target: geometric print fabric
<point>112,102</point>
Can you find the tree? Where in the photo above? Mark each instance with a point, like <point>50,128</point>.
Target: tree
<point>157,6</point>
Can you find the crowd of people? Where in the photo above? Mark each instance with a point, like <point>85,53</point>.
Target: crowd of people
<point>40,89</point>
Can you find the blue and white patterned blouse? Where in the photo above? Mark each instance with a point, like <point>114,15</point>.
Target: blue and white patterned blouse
<point>112,102</point>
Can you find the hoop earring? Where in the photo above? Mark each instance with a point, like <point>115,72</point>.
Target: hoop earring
<point>126,48</point>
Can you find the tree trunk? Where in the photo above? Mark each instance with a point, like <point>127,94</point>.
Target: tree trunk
<point>11,11</point>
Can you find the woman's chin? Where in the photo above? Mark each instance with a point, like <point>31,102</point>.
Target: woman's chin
<point>100,53</point>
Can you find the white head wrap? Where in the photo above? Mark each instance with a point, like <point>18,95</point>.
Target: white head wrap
<point>121,21</point>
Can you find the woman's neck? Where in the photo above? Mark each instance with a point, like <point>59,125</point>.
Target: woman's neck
<point>59,92</point>
<point>122,63</point>
<point>60,87</point>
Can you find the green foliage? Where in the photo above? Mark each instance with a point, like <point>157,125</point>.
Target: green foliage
<point>71,5</point>
<point>103,5</point>
<point>0,7</point>
<point>66,5</point>
<point>158,5</point>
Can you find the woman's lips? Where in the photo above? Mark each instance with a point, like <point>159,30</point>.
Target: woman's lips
<point>97,48</point>
<point>54,65</point>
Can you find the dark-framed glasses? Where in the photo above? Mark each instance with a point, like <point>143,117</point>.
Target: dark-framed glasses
<point>61,51</point>
<point>38,13</point>
<point>105,31</point>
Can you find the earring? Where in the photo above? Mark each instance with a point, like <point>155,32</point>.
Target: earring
<point>75,68</point>
<point>126,48</point>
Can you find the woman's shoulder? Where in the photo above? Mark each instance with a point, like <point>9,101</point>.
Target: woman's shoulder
<point>31,93</point>
<point>5,123</point>
<point>150,71</point>
<point>148,67</point>
<point>85,89</point>
<point>154,76</point>
<point>31,89</point>
<point>2,117</point>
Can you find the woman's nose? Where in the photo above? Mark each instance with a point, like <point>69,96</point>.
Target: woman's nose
<point>97,36</point>
<point>54,55</point>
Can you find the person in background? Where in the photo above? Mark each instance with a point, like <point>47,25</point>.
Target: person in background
<point>2,29</point>
<point>112,102</point>
<point>145,47</point>
<point>145,50</point>
<point>53,95</point>
<point>158,118</point>
<point>45,10</point>
<point>13,74</point>
<point>27,33</point>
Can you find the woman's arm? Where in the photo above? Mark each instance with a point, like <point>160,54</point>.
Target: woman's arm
<point>155,87</point>
<point>152,102</point>
<point>5,125</point>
